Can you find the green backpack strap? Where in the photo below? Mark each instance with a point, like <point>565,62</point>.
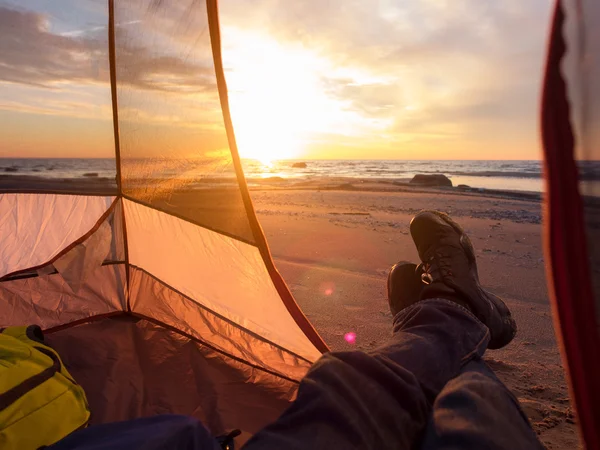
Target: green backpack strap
<point>31,333</point>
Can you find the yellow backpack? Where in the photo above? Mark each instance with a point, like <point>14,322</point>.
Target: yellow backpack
<point>40,402</point>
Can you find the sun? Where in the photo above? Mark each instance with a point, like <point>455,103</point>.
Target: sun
<point>265,138</point>
<point>278,104</point>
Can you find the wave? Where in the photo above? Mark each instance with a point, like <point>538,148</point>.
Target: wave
<point>584,175</point>
<point>497,174</point>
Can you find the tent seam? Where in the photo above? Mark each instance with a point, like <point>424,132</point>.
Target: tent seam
<point>115,113</point>
<point>126,251</point>
<point>34,275</point>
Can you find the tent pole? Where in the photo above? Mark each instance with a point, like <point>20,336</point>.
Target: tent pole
<point>115,113</point>
<point>259,236</point>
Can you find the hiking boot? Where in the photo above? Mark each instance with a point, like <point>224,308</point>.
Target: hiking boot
<point>404,286</point>
<point>450,272</point>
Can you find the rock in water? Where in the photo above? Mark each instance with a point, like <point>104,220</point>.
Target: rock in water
<point>299,165</point>
<point>431,180</point>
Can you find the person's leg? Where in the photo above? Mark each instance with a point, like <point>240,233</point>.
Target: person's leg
<point>476,410</point>
<point>384,399</point>
<point>380,399</point>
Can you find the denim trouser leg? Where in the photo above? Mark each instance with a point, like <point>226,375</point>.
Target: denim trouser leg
<point>382,399</point>
<point>475,410</point>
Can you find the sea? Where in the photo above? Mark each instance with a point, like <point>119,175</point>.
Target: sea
<point>504,175</point>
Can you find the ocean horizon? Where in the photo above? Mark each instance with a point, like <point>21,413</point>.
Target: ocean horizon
<point>515,175</point>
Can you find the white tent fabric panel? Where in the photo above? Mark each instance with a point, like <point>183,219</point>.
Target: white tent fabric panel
<point>50,300</point>
<point>225,275</point>
<point>36,227</point>
<point>150,298</point>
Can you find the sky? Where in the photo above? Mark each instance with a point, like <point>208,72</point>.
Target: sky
<point>336,79</point>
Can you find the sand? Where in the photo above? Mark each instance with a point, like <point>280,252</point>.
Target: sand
<point>334,247</point>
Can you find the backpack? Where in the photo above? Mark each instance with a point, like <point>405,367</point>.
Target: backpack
<point>40,402</point>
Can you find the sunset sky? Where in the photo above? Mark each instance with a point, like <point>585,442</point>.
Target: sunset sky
<point>307,79</point>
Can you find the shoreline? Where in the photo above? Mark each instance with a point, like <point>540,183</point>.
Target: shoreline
<point>107,186</point>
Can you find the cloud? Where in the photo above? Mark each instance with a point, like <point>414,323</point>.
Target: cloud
<point>138,67</point>
<point>427,69</point>
<point>31,54</point>
<point>464,68</point>
<point>388,31</point>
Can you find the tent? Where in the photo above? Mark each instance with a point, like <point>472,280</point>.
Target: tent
<point>165,299</point>
<point>159,298</point>
<point>571,139</point>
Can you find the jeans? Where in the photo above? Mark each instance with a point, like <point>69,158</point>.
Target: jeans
<point>428,387</point>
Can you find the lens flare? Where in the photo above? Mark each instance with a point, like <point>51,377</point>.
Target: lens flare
<point>350,337</point>
<point>327,288</point>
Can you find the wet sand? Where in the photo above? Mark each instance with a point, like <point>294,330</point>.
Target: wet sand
<point>334,247</point>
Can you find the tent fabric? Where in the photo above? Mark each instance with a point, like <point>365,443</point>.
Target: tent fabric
<point>52,66</point>
<point>581,66</point>
<point>85,279</point>
<point>570,107</point>
<point>49,301</point>
<point>162,298</point>
<point>225,275</point>
<point>188,102</point>
<point>133,368</point>
<point>36,227</point>
<point>259,236</point>
<point>180,312</point>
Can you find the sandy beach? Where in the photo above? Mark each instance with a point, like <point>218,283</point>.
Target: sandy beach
<point>334,247</point>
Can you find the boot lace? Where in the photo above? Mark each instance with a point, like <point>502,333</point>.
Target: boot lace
<point>435,267</point>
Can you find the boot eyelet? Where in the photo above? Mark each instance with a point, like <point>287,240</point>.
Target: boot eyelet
<point>426,278</point>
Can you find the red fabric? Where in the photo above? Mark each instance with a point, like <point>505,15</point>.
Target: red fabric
<point>573,300</point>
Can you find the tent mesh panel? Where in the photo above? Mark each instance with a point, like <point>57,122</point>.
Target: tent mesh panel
<point>174,151</point>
